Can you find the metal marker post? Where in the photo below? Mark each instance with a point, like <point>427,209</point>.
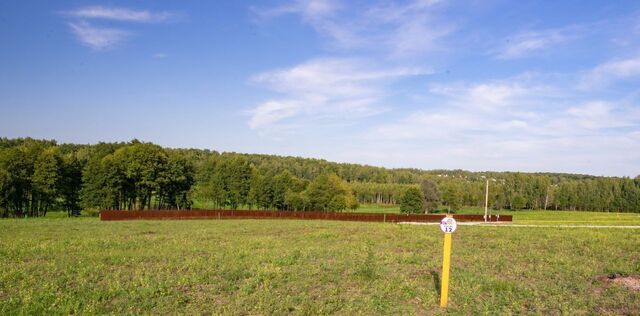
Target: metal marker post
<point>448,225</point>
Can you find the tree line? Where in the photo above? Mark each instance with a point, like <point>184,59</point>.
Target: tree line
<point>232,181</point>
<point>41,175</point>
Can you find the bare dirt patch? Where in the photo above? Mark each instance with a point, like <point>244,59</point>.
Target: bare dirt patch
<point>629,282</point>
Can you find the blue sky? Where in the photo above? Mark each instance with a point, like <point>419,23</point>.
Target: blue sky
<point>477,85</point>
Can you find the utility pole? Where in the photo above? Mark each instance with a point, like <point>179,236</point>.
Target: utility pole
<point>486,201</point>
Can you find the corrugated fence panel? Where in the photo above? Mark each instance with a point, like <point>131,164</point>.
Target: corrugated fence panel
<point>248,214</point>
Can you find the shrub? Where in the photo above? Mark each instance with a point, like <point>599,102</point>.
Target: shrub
<point>412,202</point>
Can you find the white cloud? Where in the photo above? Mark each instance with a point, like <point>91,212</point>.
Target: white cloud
<point>347,88</point>
<point>599,115</point>
<point>270,112</point>
<point>102,38</point>
<point>489,96</point>
<point>98,38</point>
<point>311,9</point>
<point>121,14</point>
<point>516,127</point>
<point>535,121</point>
<point>414,28</point>
<point>466,110</point>
<point>401,30</point>
<point>528,43</point>
<point>602,75</point>
<point>325,88</point>
<point>591,110</point>
<point>432,125</point>
<point>506,111</point>
<point>493,145</point>
<point>330,76</point>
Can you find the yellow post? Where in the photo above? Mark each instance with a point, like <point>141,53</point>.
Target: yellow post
<point>446,264</point>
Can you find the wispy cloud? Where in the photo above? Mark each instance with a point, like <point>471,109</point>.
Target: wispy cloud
<point>595,115</point>
<point>603,74</point>
<point>465,109</point>
<point>311,9</point>
<point>98,38</point>
<point>121,14</point>
<point>103,38</point>
<point>509,109</point>
<point>538,120</point>
<point>488,96</point>
<point>337,88</point>
<point>522,125</point>
<point>525,44</point>
<point>401,30</point>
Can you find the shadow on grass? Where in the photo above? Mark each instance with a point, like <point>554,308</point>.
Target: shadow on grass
<point>436,281</point>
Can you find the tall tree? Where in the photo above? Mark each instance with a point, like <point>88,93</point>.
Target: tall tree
<point>45,179</point>
<point>452,195</point>
<point>412,202</point>
<point>431,194</point>
<point>70,183</point>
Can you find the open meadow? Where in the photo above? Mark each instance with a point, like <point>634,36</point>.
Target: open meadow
<point>533,217</point>
<point>571,218</point>
<point>324,157</point>
<point>83,265</point>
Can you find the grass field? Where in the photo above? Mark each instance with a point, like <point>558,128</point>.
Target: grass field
<point>82,265</point>
<point>378,208</point>
<point>574,218</point>
<point>535,217</point>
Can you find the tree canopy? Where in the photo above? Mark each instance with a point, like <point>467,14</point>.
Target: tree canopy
<point>37,176</point>
<point>412,201</point>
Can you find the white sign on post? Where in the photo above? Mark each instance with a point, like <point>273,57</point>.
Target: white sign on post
<point>448,225</point>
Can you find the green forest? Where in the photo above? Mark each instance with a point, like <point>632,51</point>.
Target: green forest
<point>37,176</point>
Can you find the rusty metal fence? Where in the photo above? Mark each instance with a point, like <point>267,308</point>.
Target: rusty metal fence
<point>250,214</point>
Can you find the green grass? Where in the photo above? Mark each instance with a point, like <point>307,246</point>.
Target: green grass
<point>543,217</point>
<point>82,265</point>
<point>575,217</point>
<point>377,208</point>
<point>534,217</point>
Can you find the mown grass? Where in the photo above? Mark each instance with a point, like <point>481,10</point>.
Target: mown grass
<point>538,217</point>
<point>575,217</point>
<point>377,208</point>
<point>82,265</point>
<point>546,217</point>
